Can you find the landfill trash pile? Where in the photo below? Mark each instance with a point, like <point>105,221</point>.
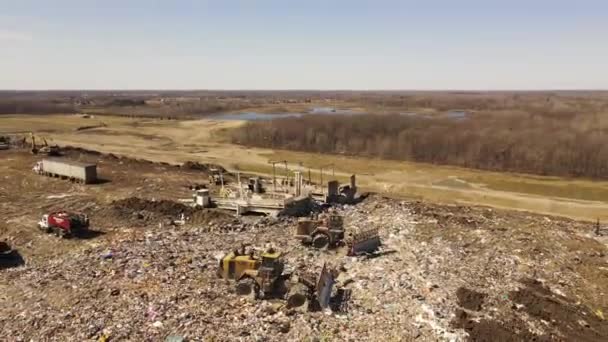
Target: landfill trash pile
<point>443,273</point>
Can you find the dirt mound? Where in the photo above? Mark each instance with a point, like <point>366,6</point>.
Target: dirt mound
<point>79,150</point>
<point>470,299</point>
<point>566,320</point>
<point>196,166</point>
<point>453,215</point>
<point>84,128</point>
<point>575,322</point>
<point>489,331</point>
<point>162,207</point>
<point>205,216</point>
<point>142,211</point>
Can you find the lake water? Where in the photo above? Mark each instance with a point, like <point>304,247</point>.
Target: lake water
<point>254,116</point>
<point>457,114</point>
<point>451,114</point>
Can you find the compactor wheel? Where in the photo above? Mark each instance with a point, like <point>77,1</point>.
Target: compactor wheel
<point>320,241</point>
<point>248,287</point>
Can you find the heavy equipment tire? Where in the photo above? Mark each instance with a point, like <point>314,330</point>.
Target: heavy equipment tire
<point>248,287</point>
<point>320,241</point>
<point>297,295</point>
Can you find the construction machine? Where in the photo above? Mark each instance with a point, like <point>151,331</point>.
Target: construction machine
<point>6,252</point>
<point>265,276</point>
<point>51,150</point>
<point>258,276</point>
<point>4,142</point>
<point>364,242</point>
<point>64,224</point>
<point>316,290</point>
<point>321,233</point>
<point>216,177</point>
<point>9,257</point>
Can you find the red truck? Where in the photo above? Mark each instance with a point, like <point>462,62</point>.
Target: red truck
<point>63,223</point>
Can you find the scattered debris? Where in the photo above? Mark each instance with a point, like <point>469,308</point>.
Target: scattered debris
<point>452,272</point>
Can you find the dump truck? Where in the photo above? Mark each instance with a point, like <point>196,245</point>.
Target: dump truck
<point>64,224</point>
<point>321,233</point>
<point>68,169</point>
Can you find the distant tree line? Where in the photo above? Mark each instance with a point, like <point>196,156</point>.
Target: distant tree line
<point>545,143</point>
<point>34,107</point>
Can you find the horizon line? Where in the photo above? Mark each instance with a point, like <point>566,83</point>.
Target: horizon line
<point>308,90</point>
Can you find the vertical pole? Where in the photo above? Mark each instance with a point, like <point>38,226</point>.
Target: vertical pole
<point>274,179</point>
<point>286,178</point>
<point>238,179</point>
<point>322,187</point>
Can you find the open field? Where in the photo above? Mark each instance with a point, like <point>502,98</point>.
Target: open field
<point>205,141</point>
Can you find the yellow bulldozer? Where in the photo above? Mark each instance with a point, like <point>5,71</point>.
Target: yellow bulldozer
<point>264,276</point>
<point>258,276</point>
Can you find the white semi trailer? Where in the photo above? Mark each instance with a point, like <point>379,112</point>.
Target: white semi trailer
<point>72,170</point>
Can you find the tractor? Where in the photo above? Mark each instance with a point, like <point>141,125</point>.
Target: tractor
<point>265,277</point>
<point>321,233</point>
<point>259,277</point>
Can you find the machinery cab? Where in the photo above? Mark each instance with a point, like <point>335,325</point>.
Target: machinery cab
<point>271,268</point>
<point>216,177</point>
<point>254,275</point>
<point>335,225</point>
<point>44,221</point>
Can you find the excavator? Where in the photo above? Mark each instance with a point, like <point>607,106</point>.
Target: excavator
<point>50,150</point>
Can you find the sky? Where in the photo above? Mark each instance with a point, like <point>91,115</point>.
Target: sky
<point>272,44</point>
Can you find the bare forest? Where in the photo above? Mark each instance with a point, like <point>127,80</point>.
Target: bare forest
<point>561,143</point>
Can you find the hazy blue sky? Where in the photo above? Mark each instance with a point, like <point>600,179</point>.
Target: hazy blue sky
<point>225,44</point>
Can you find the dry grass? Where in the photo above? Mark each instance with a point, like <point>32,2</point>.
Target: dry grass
<point>202,140</point>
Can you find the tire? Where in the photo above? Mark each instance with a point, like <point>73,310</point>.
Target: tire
<point>320,241</point>
<point>248,287</point>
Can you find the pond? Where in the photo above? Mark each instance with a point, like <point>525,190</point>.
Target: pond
<point>254,116</point>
